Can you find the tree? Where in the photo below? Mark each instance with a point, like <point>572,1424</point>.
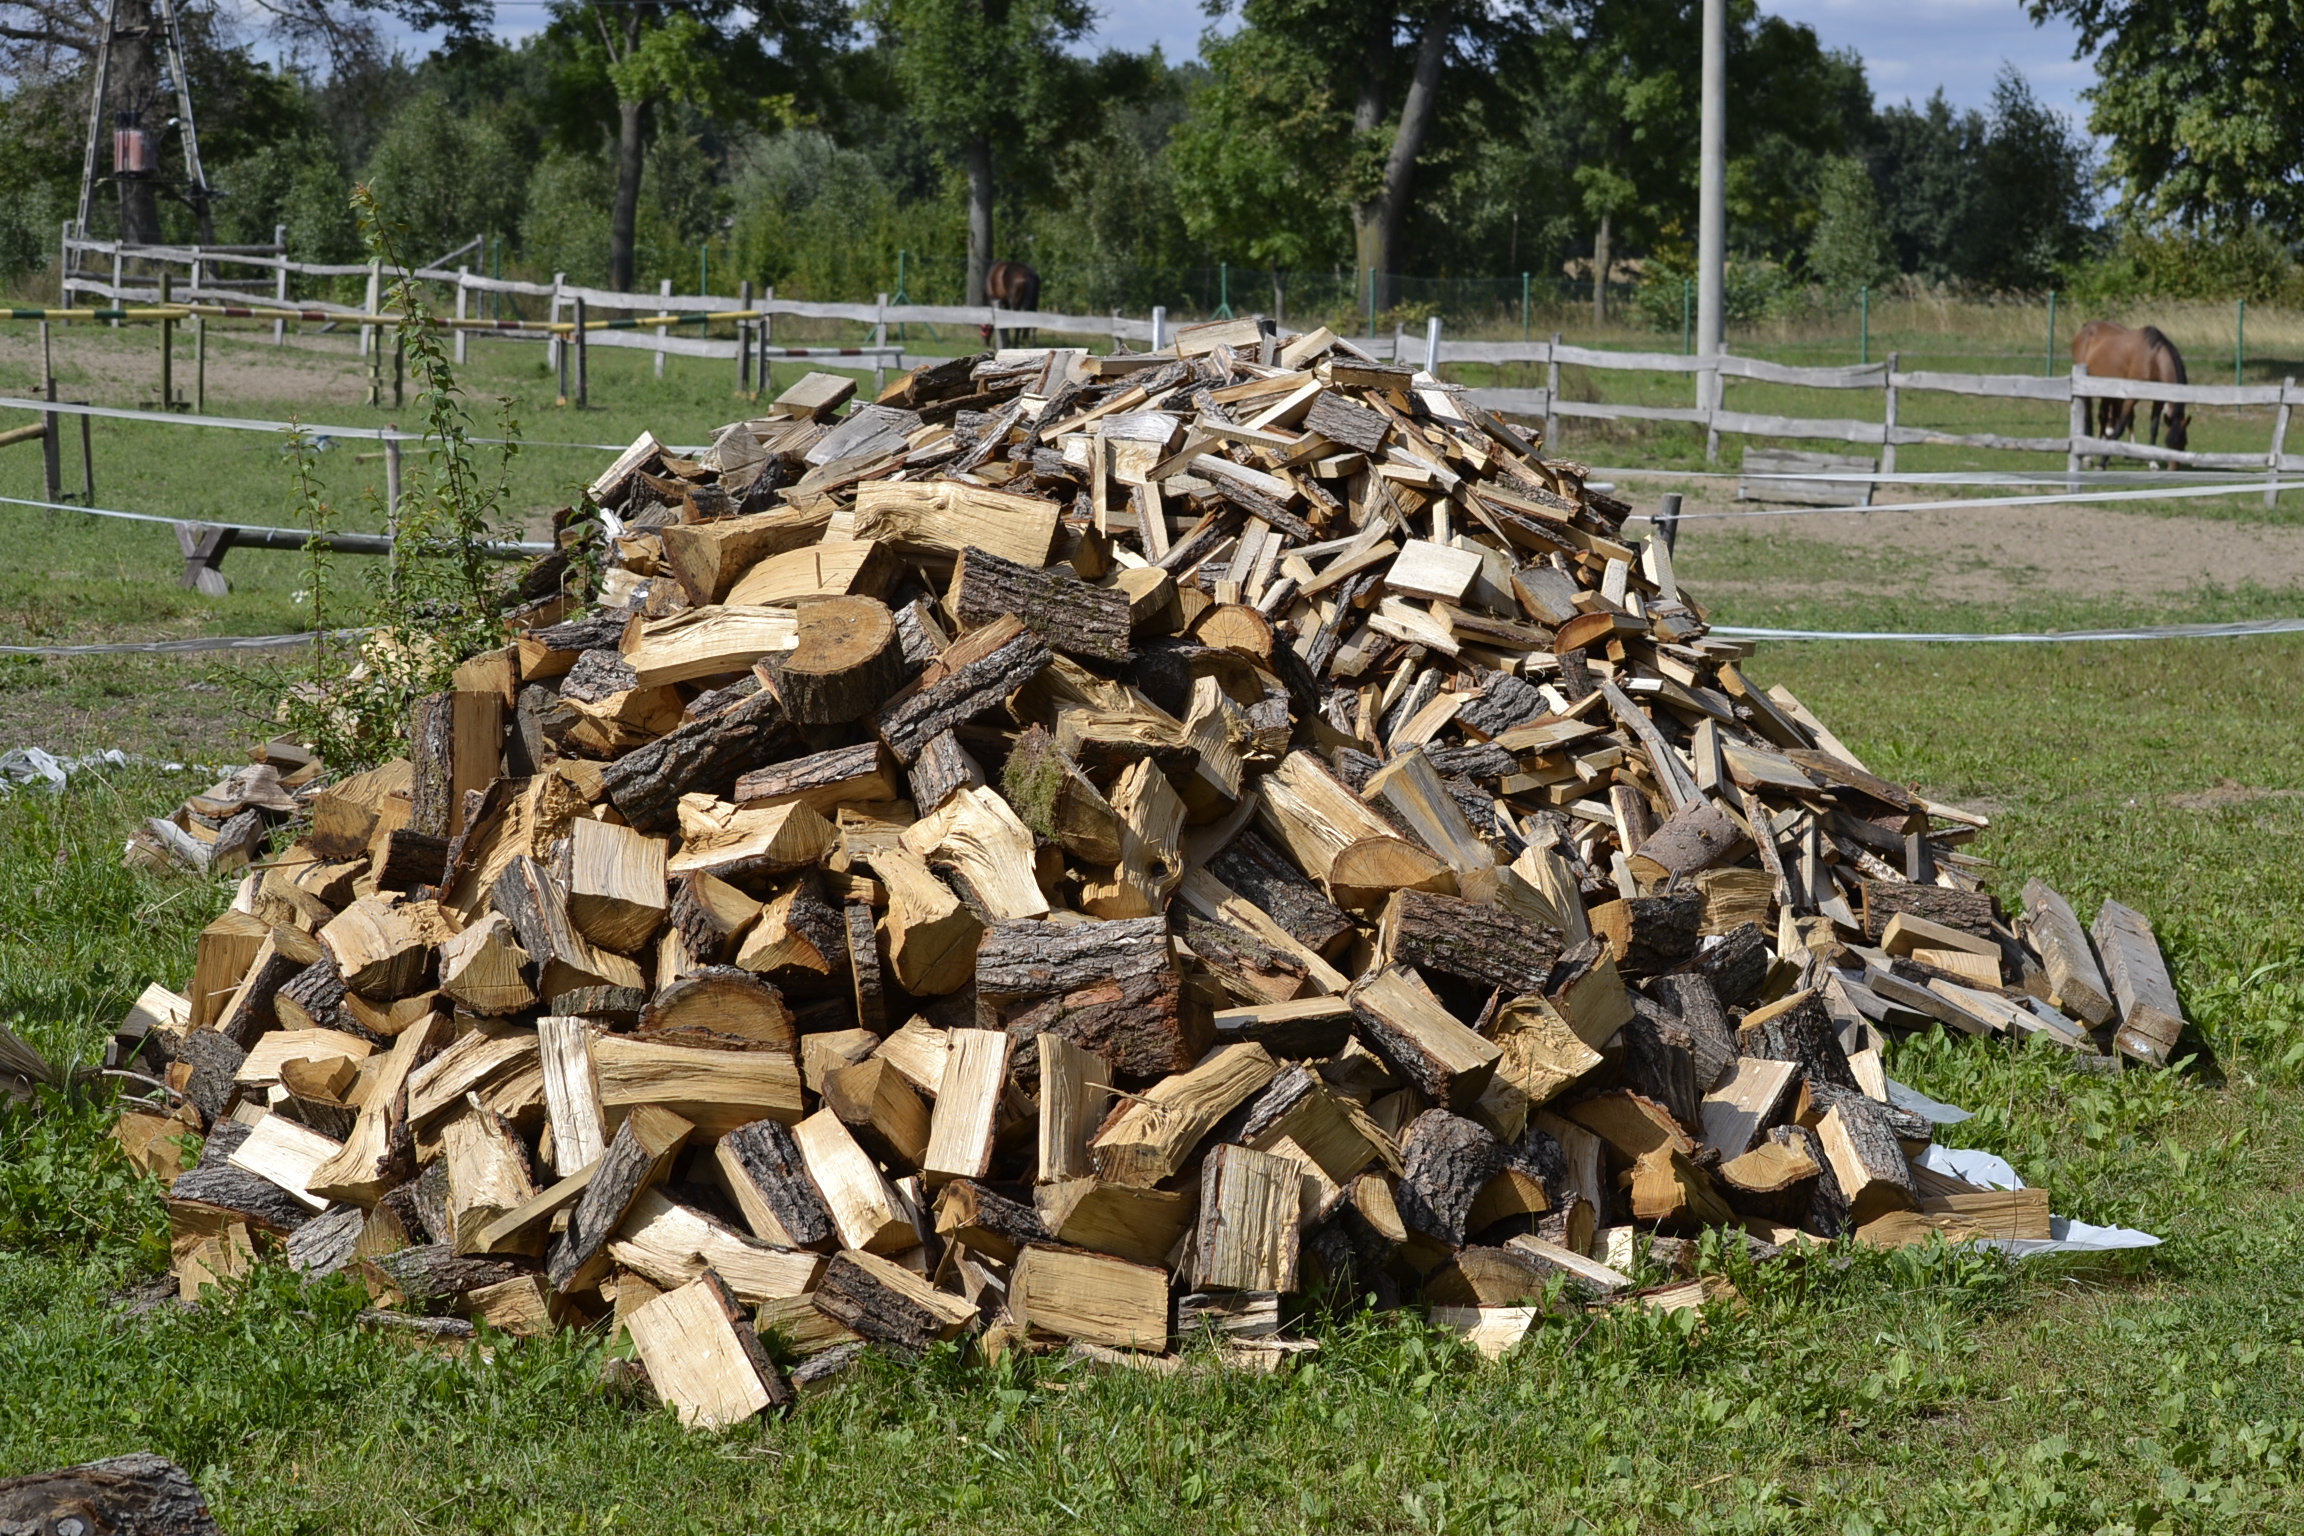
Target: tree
<point>990,79</point>
<point>1260,157</point>
<point>1850,249</point>
<point>1998,199</point>
<point>2203,102</point>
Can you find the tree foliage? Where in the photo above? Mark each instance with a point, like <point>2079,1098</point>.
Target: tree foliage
<point>2203,103</point>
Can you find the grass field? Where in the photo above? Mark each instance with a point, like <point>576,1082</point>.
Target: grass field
<point>1858,1396</point>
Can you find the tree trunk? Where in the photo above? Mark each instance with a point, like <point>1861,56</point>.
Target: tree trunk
<point>979,216</point>
<point>1600,255</point>
<point>1416,114</point>
<point>136,88</point>
<point>631,133</point>
<point>1367,116</point>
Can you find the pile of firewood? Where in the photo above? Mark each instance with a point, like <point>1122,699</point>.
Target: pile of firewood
<point>1096,850</point>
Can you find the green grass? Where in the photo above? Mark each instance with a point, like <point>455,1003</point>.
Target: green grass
<point>1918,1393</point>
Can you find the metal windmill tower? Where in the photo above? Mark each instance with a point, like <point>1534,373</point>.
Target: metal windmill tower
<point>134,154</point>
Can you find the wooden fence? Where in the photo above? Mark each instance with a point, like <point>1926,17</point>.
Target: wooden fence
<point>1709,406</point>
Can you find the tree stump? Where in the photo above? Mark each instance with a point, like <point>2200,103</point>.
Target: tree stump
<point>849,660</point>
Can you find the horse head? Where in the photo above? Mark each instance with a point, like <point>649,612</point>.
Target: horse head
<point>2179,427</point>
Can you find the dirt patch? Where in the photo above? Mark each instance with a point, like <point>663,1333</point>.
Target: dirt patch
<point>1987,556</point>
<point>114,369</point>
<point>2227,793</point>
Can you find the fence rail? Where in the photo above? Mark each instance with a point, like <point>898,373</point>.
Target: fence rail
<point>649,321</point>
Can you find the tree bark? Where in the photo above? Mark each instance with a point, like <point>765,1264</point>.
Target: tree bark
<point>1416,115</point>
<point>979,216</point>
<point>1600,262</point>
<point>631,143</point>
<point>1367,116</point>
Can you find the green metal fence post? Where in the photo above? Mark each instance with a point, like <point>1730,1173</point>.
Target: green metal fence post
<point>1687,326</point>
<point>1224,290</point>
<point>1864,324</point>
<point>2048,358</point>
<point>1523,304</point>
<point>2239,341</point>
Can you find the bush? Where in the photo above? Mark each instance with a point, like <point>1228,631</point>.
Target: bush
<point>446,176</point>
<point>2190,264</point>
<point>565,227</point>
<point>1754,290</point>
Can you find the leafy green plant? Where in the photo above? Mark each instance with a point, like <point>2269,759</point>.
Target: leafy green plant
<point>439,597</point>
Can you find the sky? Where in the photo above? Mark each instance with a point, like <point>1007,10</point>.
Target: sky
<point>1909,47</point>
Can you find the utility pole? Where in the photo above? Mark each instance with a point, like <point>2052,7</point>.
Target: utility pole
<point>1712,186</point>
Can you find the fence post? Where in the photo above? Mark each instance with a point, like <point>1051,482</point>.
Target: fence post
<point>280,283</point>
<point>1687,324</point>
<point>51,451</point>
<point>2079,420</point>
<point>1552,393</point>
<point>2048,358</point>
<point>744,339</point>
<point>767,378</point>
<point>2279,434</point>
<point>1864,325</point>
<point>2239,339</point>
<point>392,479</point>
<point>1159,326</point>
<point>1432,348</point>
<point>463,311</point>
<point>663,291</point>
<point>583,356</point>
<point>373,306</point>
<point>64,269</point>
<point>880,339</point>
<point>1888,437</point>
<point>199,365</point>
<point>555,348</point>
<point>1668,522</point>
<point>1523,306</point>
<point>167,344</point>
<point>1710,384</point>
<point>117,301</point>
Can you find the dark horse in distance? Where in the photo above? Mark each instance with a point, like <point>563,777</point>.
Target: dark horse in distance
<point>1011,285</point>
<point>2111,351</point>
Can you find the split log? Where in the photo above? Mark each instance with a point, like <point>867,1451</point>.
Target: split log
<point>1695,837</point>
<point>381,949</point>
<point>1411,789</point>
<point>867,1212</point>
<point>2151,1015</point>
<point>1151,862</point>
<point>669,1244</point>
<point>848,661</point>
<point>977,834</point>
<point>368,1165</point>
<point>1484,945</point>
<point>1756,1095</point>
<point>1143,1225</point>
<point>703,1356</point>
<point>717,1090</point>
<point>943,770</point>
<point>967,1107</point>
<point>932,935</point>
<point>864,967</point>
<point>1696,1006</point>
<point>616,885</point>
<point>1648,935</point>
<point>1074,1090</point>
<point>139,1494</point>
<point>1860,1145</point>
<point>885,1111</point>
<point>1035,959</point>
<point>537,906</point>
<point>701,757</point>
<point>1671,1191</point>
<point>976,673</point>
<point>1798,1029</point>
<point>1249,1213</point>
<point>1075,618</point>
<point>1151,1137</point>
<point>251,1010</point>
<point>481,968</point>
<point>1336,839</point>
<point>723,1000</point>
<point>764,1171</point>
<point>1255,869</point>
<point>1144,1026</point>
<point>800,943</point>
<point>1736,966</point>
<point>1449,1160</point>
<point>638,1159</point>
<point>2073,977</point>
<point>432,1277</point>
<point>889,1304</point>
<point>859,775</point>
<point>1776,1179</point>
<point>1422,1041</point>
<point>987,1223</point>
<point>1660,1061</point>
<point>1969,911</point>
<point>1091,1296</point>
<point>722,839</point>
<point>708,559</point>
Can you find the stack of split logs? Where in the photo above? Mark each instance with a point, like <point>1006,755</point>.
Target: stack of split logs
<point>1094,851</point>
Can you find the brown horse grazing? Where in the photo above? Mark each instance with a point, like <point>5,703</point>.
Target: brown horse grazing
<point>2111,351</point>
<point>1011,285</point>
